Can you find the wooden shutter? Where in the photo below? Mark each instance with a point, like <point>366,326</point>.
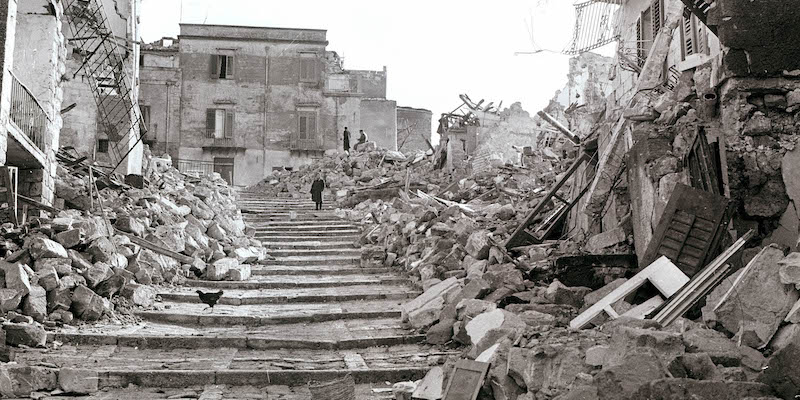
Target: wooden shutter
<point>640,56</point>
<point>689,230</point>
<point>229,67</point>
<point>211,122</point>
<point>214,66</point>
<point>688,35</point>
<point>302,127</point>
<point>229,121</point>
<point>312,126</point>
<point>658,16</point>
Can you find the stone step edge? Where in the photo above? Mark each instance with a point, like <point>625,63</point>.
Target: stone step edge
<point>259,300</point>
<point>237,342</point>
<point>286,285</point>
<point>315,270</point>
<point>209,319</point>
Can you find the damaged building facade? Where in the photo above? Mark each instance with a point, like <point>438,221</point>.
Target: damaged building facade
<point>101,83</point>
<point>31,94</point>
<point>701,96</point>
<point>247,101</point>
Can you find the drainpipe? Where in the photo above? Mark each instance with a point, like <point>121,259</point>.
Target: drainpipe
<point>166,121</point>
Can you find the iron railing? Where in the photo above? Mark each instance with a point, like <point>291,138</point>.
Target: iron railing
<point>312,143</point>
<point>27,114</point>
<point>198,167</point>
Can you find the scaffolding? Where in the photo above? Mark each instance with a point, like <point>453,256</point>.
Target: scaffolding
<point>596,25</point>
<point>103,63</point>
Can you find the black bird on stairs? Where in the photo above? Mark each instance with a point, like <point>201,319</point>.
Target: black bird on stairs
<point>209,298</point>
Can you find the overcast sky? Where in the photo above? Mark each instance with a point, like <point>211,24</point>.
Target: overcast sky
<point>433,49</point>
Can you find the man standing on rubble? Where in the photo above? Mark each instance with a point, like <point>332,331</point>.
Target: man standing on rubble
<point>346,135</point>
<point>316,191</point>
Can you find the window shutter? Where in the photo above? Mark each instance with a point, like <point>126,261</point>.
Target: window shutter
<point>702,38</point>
<point>302,127</point>
<point>229,120</point>
<point>688,33</point>
<point>639,44</point>
<point>657,15</point>
<point>229,67</point>
<point>211,121</point>
<point>312,126</point>
<point>214,67</point>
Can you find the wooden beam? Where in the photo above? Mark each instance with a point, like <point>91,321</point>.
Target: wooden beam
<point>35,204</point>
<point>155,248</point>
<point>561,128</point>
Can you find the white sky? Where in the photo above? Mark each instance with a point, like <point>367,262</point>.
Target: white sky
<point>434,50</point>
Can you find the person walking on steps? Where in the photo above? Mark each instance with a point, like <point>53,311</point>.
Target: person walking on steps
<point>316,191</point>
<point>346,135</point>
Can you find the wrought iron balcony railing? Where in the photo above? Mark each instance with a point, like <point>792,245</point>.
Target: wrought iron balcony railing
<point>27,114</point>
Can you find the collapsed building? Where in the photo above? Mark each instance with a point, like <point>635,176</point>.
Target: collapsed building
<point>247,101</point>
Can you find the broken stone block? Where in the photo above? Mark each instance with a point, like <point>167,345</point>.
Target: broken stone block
<point>504,276</point>
<point>35,303</point>
<point>41,247</point>
<point>694,366</point>
<point>62,224</point>
<point>16,278</point>
<point>432,385</point>
<point>219,269</point>
<point>214,231</point>
<point>623,380</point>
<point>441,332</point>
<point>468,309</point>
<point>31,335</point>
<point>86,304</point>
<point>782,372</point>
<point>424,310</point>
<point>239,272</point>
<point>626,339</point>
<point>535,318</point>
<point>478,244</point>
<point>99,272</point>
<point>78,381</point>
<point>70,238</point>
<point>475,289</point>
<point>760,301</point>
<point>478,328</point>
<point>9,299</point>
<point>506,212</point>
<point>498,381</point>
<point>59,299</point>
<point>244,255</point>
<point>558,293</point>
<point>790,269</point>
<point>684,388</point>
<point>102,250</point>
<point>604,240</point>
<point>372,256</point>
<point>77,260</point>
<point>130,224</point>
<point>140,295</point>
<point>170,237</point>
<point>111,286</point>
<point>547,368</point>
<point>22,381</point>
<point>56,264</point>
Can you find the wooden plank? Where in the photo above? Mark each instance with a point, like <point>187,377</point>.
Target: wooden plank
<point>641,311</point>
<point>466,380</point>
<point>10,198</point>
<point>35,204</point>
<point>662,273</point>
<point>155,248</point>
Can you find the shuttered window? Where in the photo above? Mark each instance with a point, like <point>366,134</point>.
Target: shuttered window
<point>306,125</point>
<point>219,123</point>
<point>647,27</point>
<point>222,66</point>
<point>308,67</point>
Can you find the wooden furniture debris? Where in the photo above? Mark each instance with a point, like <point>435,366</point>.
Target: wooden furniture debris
<point>10,176</point>
<point>662,273</point>
<point>690,229</point>
<point>527,232</point>
<point>701,284</point>
<point>561,128</point>
<point>466,380</point>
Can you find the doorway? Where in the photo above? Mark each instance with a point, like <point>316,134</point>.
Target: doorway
<point>224,166</point>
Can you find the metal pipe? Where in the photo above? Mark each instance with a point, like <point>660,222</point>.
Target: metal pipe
<point>561,128</point>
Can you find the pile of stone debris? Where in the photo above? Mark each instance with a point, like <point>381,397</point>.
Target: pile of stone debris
<point>744,344</point>
<point>107,248</point>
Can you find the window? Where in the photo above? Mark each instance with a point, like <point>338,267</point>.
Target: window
<point>222,66</point>
<point>145,116</point>
<point>141,60</point>
<point>694,38</point>
<point>219,123</point>
<point>647,27</point>
<point>308,67</point>
<point>102,146</point>
<point>307,125</point>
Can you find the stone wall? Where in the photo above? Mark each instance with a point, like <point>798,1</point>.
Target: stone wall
<point>160,90</point>
<point>413,127</point>
<point>8,22</point>
<point>379,121</point>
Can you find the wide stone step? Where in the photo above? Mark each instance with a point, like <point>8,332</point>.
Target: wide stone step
<point>314,260</point>
<point>256,315</point>
<point>363,391</point>
<point>305,270</point>
<point>309,244</point>
<point>316,228</point>
<point>286,296</point>
<point>120,366</point>
<point>347,251</point>
<point>295,281</point>
<point>330,335</point>
<point>299,223</point>
<point>340,234</point>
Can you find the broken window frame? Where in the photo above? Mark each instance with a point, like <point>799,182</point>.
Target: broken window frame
<point>652,19</point>
<point>145,109</point>
<point>220,123</point>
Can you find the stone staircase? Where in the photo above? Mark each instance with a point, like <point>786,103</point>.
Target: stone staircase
<point>310,314</point>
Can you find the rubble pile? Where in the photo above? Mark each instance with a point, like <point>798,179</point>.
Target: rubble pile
<point>110,246</point>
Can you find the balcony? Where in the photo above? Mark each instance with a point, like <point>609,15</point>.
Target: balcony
<point>27,115</point>
<point>195,167</point>
<point>306,144</point>
<point>222,143</point>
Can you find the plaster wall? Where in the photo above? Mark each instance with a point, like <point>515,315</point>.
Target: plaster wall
<point>413,125</point>
<point>379,121</point>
